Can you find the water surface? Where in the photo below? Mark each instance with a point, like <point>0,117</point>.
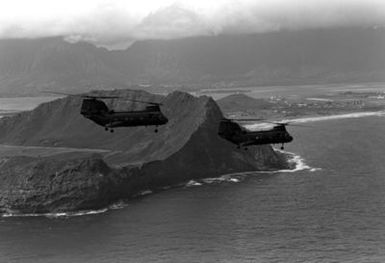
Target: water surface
<point>336,214</point>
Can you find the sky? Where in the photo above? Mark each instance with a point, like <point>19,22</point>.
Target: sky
<point>118,23</point>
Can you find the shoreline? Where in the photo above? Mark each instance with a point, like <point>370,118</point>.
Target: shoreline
<point>351,115</point>
<point>307,119</point>
<point>298,161</point>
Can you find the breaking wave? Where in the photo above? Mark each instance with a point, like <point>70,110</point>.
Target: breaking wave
<point>114,206</point>
<point>57,215</point>
<point>117,205</point>
<point>231,178</point>
<point>192,183</point>
<point>296,162</point>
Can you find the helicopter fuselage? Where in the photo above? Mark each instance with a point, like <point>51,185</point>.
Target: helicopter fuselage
<point>241,136</point>
<point>259,137</point>
<point>97,111</point>
<point>128,118</point>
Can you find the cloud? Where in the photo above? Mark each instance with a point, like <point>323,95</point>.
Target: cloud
<point>171,22</point>
<point>116,23</point>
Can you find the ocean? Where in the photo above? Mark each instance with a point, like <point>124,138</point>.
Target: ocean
<point>330,209</point>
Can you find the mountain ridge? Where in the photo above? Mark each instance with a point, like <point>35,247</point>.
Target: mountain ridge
<point>129,161</point>
<point>295,57</point>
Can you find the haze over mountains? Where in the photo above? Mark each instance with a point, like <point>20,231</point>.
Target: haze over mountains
<point>28,66</point>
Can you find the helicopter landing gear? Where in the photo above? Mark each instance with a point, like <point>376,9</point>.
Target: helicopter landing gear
<point>109,129</point>
<point>156,129</point>
<point>282,147</point>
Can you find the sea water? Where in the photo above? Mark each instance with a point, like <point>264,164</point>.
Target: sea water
<point>330,209</point>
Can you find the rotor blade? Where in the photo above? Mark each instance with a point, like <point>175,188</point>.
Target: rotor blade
<point>99,97</point>
<point>277,122</point>
<point>251,119</point>
<point>300,125</point>
<point>82,95</point>
<point>147,102</point>
<point>288,123</point>
<point>256,119</point>
<point>58,93</point>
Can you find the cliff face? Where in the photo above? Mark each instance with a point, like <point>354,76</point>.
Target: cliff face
<point>136,159</point>
<point>34,185</point>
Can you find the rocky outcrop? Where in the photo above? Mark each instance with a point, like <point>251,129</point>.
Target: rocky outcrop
<point>136,159</point>
<point>34,185</point>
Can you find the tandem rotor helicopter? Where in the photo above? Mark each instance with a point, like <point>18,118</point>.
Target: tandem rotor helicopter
<point>232,131</point>
<point>95,109</point>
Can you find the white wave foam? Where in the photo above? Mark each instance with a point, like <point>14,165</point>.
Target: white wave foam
<point>296,161</point>
<point>146,192</point>
<point>117,205</point>
<point>192,183</point>
<point>231,178</point>
<point>213,180</point>
<point>56,215</point>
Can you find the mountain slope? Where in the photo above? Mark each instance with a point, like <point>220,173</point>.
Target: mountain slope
<point>59,123</point>
<point>279,57</point>
<point>136,159</point>
<point>243,103</point>
<point>28,66</point>
<point>295,57</point>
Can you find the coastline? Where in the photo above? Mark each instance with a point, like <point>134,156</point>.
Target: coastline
<point>296,161</point>
<point>307,119</point>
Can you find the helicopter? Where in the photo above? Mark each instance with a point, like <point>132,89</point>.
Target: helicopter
<point>96,110</point>
<point>232,131</point>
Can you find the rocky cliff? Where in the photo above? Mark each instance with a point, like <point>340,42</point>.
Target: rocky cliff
<point>134,160</point>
